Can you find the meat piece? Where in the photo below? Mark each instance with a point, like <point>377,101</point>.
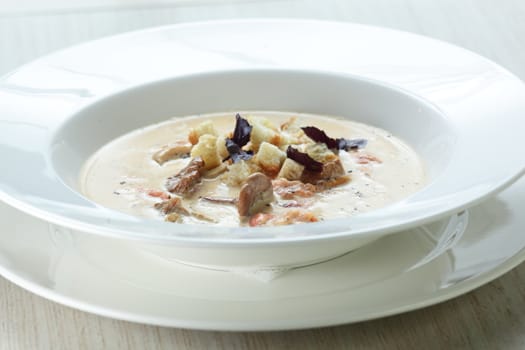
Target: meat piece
<point>293,189</point>
<point>255,194</point>
<point>290,189</point>
<point>184,182</point>
<point>179,149</point>
<point>172,205</point>
<point>331,170</point>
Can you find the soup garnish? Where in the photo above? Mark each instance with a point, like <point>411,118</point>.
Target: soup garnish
<point>259,168</point>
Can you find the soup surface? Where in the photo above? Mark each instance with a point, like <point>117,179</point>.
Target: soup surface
<point>256,168</point>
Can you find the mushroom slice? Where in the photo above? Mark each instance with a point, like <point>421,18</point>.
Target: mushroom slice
<point>174,211</point>
<point>201,216</point>
<point>187,178</point>
<point>170,206</point>
<point>255,194</point>
<point>221,200</point>
<point>179,149</point>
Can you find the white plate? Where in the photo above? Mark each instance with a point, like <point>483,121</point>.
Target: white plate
<point>457,108</point>
<point>107,277</point>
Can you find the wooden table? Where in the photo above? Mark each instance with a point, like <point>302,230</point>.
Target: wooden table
<point>492,317</point>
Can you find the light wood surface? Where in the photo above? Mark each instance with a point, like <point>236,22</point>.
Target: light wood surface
<point>492,317</point>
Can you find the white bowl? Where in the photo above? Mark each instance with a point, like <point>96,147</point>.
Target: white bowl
<point>458,110</point>
<point>283,90</point>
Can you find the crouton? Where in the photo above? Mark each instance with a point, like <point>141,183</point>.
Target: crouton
<point>221,147</point>
<point>206,148</point>
<point>262,121</point>
<point>260,134</point>
<point>204,128</point>
<point>270,158</point>
<point>237,173</point>
<point>320,152</point>
<point>291,170</point>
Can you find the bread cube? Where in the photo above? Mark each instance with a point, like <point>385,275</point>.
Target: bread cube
<point>291,170</point>
<point>206,148</point>
<point>270,158</point>
<point>260,134</point>
<point>320,152</point>
<point>204,128</point>
<point>221,147</point>
<point>237,173</point>
<point>262,121</point>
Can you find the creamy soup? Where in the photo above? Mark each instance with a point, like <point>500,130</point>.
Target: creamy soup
<point>261,168</point>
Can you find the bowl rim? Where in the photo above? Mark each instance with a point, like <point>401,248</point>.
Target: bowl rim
<point>331,229</point>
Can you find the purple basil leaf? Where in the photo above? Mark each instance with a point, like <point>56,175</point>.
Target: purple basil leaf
<point>347,144</point>
<point>241,133</point>
<point>320,136</point>
<point>241,136</point>
<point>304,159</point>
<point>242,156</point>
<point>236,153</point>
<point>232,147</point>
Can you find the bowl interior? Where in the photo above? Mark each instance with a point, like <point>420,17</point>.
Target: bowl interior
<point>411,118</point>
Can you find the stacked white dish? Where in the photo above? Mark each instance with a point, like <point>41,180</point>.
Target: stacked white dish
<point>460,111</point>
